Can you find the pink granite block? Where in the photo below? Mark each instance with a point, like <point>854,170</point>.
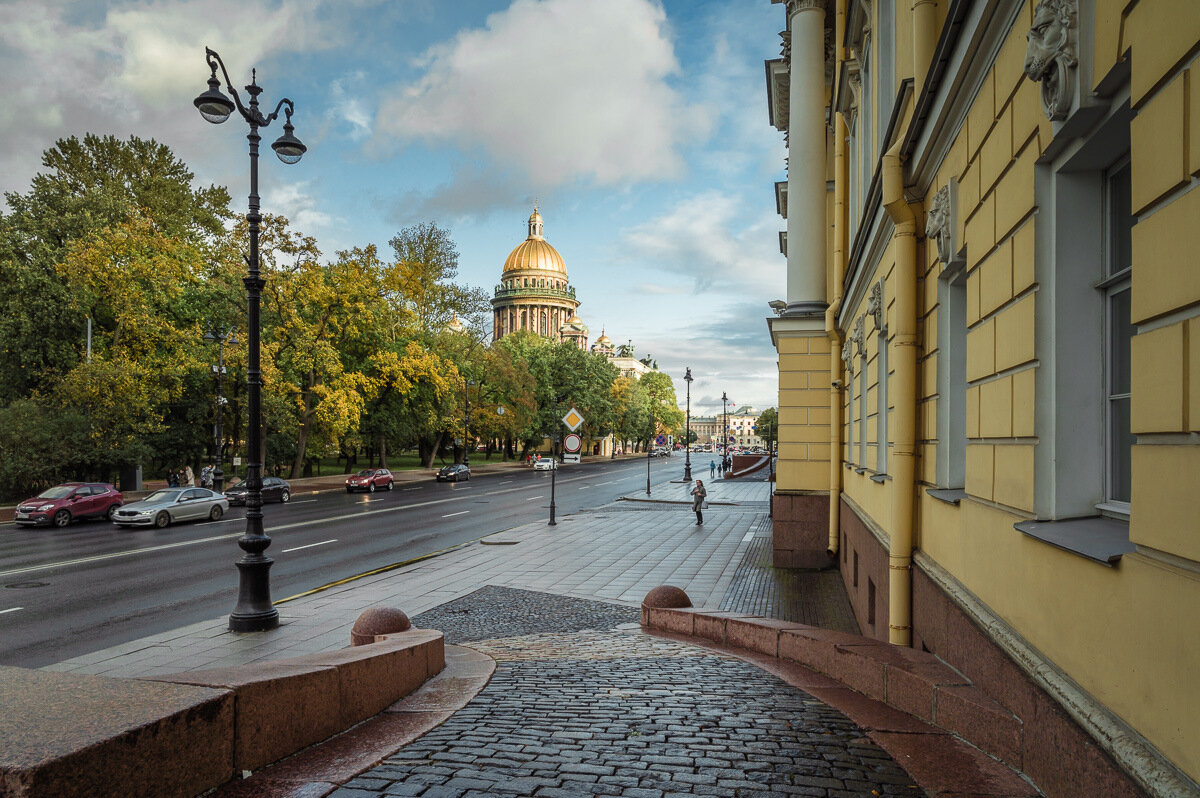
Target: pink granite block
<point>677,620</point>
<point>68,735</point>
<point>373,676</point>
<point>969,713</point>
<point>757,634</point>
<point>280,707</point>
<point>1064,761</point>
<point>431,641</point>
<point>911,687</point>
<point>814,647</point>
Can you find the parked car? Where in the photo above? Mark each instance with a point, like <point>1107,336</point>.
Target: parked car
<point>369,479</point>
<point>64,503</point>
<point>274,489</point>
<point>170,505</point>
<point>454,472</point>
<point>545,464</point>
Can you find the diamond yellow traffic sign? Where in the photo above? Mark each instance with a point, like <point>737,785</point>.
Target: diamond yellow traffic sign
<point>572,419</point>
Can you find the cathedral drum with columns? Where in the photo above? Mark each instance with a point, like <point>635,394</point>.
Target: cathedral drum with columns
<point>534,293</point>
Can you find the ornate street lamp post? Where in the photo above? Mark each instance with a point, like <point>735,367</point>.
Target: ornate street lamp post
<point>724,434</point>
<point>687,436</point>
<point>222,338</point>
<point>254,611</point>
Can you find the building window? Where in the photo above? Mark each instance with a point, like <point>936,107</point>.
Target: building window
<point>952,375</point>
<point>1118,332</point>
<point>1082,268</point>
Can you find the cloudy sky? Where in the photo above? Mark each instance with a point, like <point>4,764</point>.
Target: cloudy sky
<point>639,126</point>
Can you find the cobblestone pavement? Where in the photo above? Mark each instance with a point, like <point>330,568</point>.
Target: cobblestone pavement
<point>480,615</point>
<point>614,712</point>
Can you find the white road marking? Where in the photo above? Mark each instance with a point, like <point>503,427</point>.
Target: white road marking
<point>310,545</point>
<point>451,515</point>
<point>11,609</point>
<point>601,484</point>
<point>534,498</point>
<point>408,489</point>
<point>301,501</point>
<point>505,482</point>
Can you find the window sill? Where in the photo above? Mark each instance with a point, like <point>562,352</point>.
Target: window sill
<point>860,470</point>
<point>1102,540</point>
<point>947,495</point>
<point>881,478</point>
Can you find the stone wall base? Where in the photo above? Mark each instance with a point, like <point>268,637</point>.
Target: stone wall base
<point>1059,755</point>
<point>801,523</point>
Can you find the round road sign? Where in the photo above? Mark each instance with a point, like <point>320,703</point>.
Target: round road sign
<point>572,442</point>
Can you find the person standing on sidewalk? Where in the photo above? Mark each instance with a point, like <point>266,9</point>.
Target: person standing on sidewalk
<point>712,469</point>
<point>189,477</point>
<point>698,496</point>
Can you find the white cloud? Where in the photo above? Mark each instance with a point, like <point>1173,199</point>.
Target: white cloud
<point>294,200</point>
<point>560,89</point>
<point>131,67</point>
<point>347,107</point>
<point>700,238</point>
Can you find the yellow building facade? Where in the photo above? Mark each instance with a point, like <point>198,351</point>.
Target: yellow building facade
<point>989,357</point>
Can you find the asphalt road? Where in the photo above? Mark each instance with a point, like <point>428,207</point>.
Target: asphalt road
<point>67,592</point>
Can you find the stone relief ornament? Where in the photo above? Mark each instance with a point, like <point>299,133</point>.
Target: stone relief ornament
<point>848,354</point>
<point>875,305</point>
<point>1050,55</point>
<point>940,224</point>
<point>859,336</point>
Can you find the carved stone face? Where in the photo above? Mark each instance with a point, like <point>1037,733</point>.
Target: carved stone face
<point>1048,38</point>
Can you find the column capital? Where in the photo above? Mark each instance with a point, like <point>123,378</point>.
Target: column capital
<point>796,6</point>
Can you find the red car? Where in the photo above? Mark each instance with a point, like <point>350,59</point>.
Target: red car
<point>369,479</point>
<point>64,503</point>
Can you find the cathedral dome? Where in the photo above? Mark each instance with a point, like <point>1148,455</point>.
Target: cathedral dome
<point>535,252</point>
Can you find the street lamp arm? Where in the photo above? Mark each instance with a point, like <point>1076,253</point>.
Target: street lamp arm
<point>251,115</point>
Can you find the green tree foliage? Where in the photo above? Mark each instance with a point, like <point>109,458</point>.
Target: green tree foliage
<point>767,426</point>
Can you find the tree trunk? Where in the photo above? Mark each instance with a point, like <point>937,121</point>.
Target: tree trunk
<point>382,451</point>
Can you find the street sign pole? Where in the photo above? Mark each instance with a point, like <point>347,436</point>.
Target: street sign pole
<point>553,474</point>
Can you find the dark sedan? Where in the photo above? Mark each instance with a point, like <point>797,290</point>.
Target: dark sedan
<point>274,489</point>
<point>454,472</point>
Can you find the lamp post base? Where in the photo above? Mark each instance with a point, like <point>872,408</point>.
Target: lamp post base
<point>254,611</point>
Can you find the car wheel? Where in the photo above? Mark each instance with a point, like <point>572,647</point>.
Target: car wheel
<point>162,520</point>
<point>62,518</point>
<point>285,497</point>
<point>467,477</point>
<point>390,484</point>
<point>215,513</point>
<point>371,488</point>
<point>112,511</point>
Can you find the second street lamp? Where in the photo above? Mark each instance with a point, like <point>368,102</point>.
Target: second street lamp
<point>254,611</point>
<point>687,436</point>
<point>724,434</point>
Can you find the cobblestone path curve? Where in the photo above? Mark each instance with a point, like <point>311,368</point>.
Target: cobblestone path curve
<point>613,712</point>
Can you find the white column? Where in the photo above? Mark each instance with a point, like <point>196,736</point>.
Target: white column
<point>806,160</point>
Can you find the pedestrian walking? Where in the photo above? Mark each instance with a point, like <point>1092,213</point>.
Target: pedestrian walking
<point>189,478</point>
<point>721,467</point>
<point>172,478</point>
<point>698,496</point>
<point>206,477</point>
<point>712,469</point>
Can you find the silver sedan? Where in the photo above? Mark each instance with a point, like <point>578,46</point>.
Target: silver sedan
<point>166,506</point>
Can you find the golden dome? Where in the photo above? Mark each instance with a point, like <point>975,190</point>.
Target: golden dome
<point>535,252</point>
<point>603,339</point>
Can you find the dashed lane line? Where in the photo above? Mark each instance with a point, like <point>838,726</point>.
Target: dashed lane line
<point>309,546</point>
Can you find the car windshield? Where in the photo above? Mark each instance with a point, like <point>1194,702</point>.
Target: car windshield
<point>57,492</point>
<point>366,472</point>
<point>162,496</point>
